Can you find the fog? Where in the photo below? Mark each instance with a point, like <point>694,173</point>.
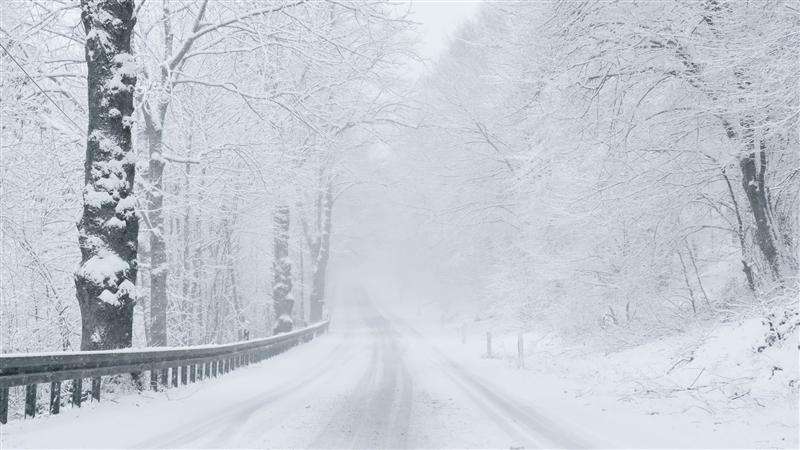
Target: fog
<point>379,224</point>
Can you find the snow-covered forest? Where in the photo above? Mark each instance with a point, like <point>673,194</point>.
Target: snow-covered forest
<point>242,113</point>
<point>594,197</point>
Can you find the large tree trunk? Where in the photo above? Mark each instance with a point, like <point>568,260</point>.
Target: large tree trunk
<point>321,254</point>
<point>753,167</point>
<point>282,298</point>
<point>108,229</point>
<point>158,246</point>
<point>746,267</point>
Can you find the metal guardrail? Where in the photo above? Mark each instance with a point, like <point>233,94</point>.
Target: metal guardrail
<point>166,366</point>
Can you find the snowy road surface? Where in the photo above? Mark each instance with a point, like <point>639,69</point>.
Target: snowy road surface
<point>370,383</point>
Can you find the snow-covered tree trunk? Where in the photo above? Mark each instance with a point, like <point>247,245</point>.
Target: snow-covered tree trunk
<point>282,298</point>
<point>158,246</point>
<point>753,167</point>
<point>108,229</point>
<point>321,254</point>
<point>155,113</point>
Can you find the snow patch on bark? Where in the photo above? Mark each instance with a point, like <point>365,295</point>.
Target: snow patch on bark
<point>115,222</point>
<point>95,199</point>
<point>109,297</point>
<point>103,269</point>
<point>126,207</point>
<point>124,70</point>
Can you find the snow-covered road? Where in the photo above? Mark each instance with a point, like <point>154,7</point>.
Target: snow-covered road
<point>373,382</point>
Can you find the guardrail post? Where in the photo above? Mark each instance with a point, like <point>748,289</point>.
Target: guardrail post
<point>96,388</point>
<point>165,377</point>
<point>55,397</point>
<point>77,391</point>
<point>136,379</point>
<point>30,400</point>
<point>154,379</point>
<point>193,373</point>
<point>174,376</point>
<point>4,405</point>
<point>184,373</point>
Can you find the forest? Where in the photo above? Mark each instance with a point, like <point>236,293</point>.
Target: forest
<point>600,178</point>
<point>239,120</point>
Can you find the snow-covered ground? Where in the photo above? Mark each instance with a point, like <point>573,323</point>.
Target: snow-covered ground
<point>385,378</point>
<point>369,383</point>
<point>708,387</point>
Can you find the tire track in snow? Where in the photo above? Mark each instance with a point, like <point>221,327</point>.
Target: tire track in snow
<point>377,414</point>
<point>520,420</point>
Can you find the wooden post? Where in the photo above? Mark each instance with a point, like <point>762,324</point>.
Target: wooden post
<point>96,388</point>
<point>184,375</point>
<point>193,373</point>
<point>175,376</point>
<point>4,405</point>
<point>488,344</point>
<point>520,351</point>
<point>154,379</point>
<point>77,391</point>
<point>30,400</point>
<point>55,397</point>
<point>165,377</point>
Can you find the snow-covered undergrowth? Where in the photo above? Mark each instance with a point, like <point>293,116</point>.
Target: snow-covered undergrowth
<point>713,368</point>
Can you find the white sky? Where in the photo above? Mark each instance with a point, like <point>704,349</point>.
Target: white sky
<point>439,19</point>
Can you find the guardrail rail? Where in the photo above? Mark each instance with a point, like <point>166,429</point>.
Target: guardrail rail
<point>167,366</point>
